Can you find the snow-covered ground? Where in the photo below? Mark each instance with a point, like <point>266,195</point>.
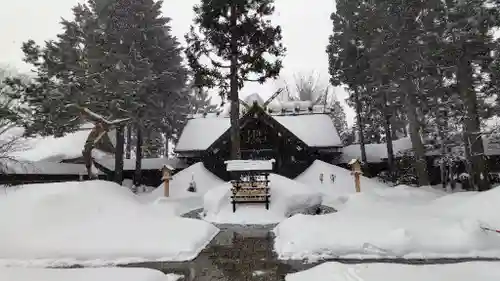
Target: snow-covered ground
<point>332,271</point>
<point>287,196</point>
<point>181,200</point>
<point>85,274</point>
<point>343,184</point>
<point>92,223</point>
<point>399,222</point>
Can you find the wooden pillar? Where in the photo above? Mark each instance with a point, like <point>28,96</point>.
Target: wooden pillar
<point>167,176</point>
<point>357,182</point>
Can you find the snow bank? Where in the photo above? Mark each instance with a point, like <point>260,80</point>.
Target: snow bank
<point>287,196</point>
<point>92,223</point>
<point>333,271</point>
<point>85,274</point>
<point>480,206</point>
<point>403,222</point>
<point>333,192</point>
<point>179,184</point>
<point>181,200</point>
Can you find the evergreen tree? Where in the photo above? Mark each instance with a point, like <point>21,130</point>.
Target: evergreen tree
<point>412,61</point>
<point>234,41</point>
<point>469,37</point>
<point>12,113</point>
<point>116,58</point>
<point>339,120</point>
<point>376,51</point>
<point>201,101</point>
<point>348,59</point>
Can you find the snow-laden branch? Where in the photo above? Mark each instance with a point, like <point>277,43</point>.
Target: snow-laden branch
<point>99,118</point>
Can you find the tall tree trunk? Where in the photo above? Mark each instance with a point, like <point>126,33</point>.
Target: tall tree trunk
<point>120,139</point>
<point>147,144</point>
<point>167,144</point>
<point>405,129</point>
<point>443,148</point>
<point>416,138</point>
<point>468,161</point>
<point>388,136</point>
<point>233,95</point>
<point>87,151</point>
<point>128,147</point>
<point>472,124</point>
<point>138,158</point>
<point>360,126</point>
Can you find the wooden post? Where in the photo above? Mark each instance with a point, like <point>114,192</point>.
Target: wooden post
<point>356,182</point>
<point>167,176</point>
<point>356,171</point>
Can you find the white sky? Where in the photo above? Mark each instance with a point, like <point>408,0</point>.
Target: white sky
<point>305,25</point>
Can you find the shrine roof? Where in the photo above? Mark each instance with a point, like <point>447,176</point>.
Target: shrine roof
<point>314,129</point>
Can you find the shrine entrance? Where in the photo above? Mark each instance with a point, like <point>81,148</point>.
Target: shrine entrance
<point>259,141</point>
<point>262,137</point>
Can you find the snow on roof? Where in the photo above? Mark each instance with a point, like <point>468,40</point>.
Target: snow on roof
<point>250,99</point>
<point>42,168</point>
<point>108,161</point>
<point>375,152</point>
<point>55,149</point>
<point>316,130</point>
<point>249,165</point>
<point>200,133</point>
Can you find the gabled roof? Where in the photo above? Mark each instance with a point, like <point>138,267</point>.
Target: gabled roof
<point>315,130</point>
<point>200,133</point>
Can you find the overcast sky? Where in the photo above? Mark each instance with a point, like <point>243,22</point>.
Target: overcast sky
<point>306,26</point>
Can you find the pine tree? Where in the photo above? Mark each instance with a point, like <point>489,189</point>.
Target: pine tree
<point>469,38</point>
<point>116,58</point>
<point>378,51</point>
<point>201,101</point>
<point>12,113</point>
<point>339,119</point>
<point>348,62</point>
<point>234,41</point>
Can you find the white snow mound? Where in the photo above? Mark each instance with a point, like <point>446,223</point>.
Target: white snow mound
<point>85,274</point>
<point>287,196</point>
<point>343,185</point>
<point>401,222</point>
<point>179,184</point>
<point>333,271</point>
<point>181,200</point>
<point>92,222</point>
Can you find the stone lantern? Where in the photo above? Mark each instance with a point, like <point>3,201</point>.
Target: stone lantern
<point>356,171</point>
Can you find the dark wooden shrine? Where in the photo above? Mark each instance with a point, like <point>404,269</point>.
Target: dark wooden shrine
<point>250,181</point>
<point>264,136</point>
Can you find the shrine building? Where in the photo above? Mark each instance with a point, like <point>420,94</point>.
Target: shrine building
<point>293,133</point>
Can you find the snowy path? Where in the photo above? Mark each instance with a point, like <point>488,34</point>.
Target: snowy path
<point>241,253</point>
